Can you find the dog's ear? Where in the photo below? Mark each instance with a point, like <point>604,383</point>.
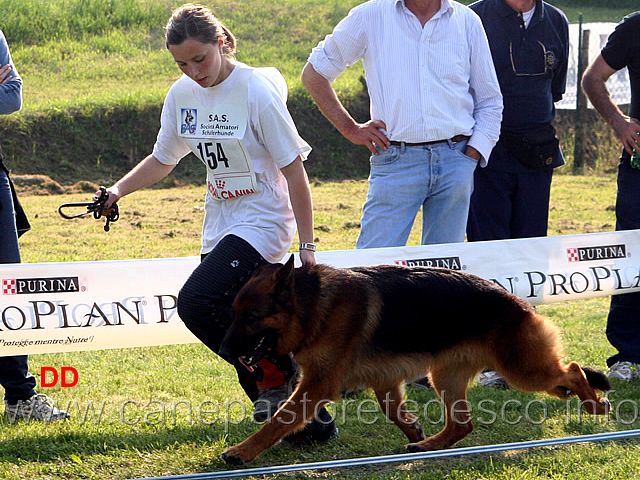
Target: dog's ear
<point>289,265</point>
<point>284,276</point>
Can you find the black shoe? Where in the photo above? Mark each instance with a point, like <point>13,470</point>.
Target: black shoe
<point>318,431</point>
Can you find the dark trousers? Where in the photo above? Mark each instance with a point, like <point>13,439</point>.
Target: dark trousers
<point>205,303</point>
<point>509,205</point>
<point>14,371</point>
<point>9,247</point>
<point>15,378</point>
<point>623,324</point>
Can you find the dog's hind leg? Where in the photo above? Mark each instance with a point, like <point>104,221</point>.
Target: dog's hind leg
<point>450,382</point>
<point>394,407</point>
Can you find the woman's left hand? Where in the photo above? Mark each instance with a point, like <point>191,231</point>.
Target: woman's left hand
<point>307,257</point>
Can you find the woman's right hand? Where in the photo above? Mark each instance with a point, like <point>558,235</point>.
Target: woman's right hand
<point>113,195</point>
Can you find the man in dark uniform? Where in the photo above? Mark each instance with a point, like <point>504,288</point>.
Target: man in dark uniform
<point>529,41</point>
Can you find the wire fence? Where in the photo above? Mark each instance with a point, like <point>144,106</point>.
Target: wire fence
<point>618,83</point>
<point>588,143</point>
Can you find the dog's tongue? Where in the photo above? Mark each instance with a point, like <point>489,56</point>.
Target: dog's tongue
<point>246,365</point>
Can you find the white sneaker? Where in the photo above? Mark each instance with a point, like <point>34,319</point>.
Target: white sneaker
<point>625,371</point>
<point>38,407</point>
<point>489,378</point>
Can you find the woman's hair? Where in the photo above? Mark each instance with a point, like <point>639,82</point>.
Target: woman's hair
<point>199,23</point>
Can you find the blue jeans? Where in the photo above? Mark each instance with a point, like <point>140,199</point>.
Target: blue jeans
<point>15,378</point>
<point>438,178</point>
<point>623,324</point>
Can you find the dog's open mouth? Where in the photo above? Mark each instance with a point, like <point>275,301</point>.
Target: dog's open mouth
<point>259,351</point>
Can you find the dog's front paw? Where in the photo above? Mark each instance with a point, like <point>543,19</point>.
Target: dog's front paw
<point>232,456</point>
<point>415,448</point>
<point>427,445</point>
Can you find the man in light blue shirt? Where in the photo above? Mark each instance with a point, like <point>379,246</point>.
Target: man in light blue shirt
<point>436,109</point>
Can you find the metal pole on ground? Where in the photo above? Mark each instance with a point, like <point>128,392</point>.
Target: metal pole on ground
<point>408,457</point>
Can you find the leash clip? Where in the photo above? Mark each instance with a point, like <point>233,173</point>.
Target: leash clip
<point>97,207</point>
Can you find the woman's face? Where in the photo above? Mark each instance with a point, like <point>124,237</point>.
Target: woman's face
<point>204,63</point>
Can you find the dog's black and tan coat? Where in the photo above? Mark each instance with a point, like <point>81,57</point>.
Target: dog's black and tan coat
<point>384,325</point>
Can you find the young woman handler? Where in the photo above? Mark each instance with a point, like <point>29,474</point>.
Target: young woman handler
<point>234,118</point>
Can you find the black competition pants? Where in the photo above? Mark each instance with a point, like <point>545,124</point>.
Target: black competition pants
<point>205,303</point>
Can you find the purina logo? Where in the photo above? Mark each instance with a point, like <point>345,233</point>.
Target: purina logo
<point>604,252</point>
<point>22,286</point>
<point>452,263</point>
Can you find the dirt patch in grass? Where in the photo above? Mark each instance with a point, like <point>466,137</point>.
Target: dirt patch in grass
<point>45,185</point>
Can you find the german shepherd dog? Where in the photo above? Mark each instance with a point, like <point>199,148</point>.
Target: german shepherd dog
<point>381,326</point>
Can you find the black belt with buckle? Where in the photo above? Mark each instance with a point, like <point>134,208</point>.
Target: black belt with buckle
<point>456,139</point>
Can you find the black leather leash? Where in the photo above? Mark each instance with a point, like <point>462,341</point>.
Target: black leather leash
<point>97,207</point>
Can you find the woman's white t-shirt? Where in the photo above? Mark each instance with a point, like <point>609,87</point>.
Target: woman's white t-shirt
<point>264,219</point>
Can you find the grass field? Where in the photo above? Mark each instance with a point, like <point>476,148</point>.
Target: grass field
<point>149,411</point>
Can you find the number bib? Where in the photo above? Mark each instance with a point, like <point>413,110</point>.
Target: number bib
<point>215,133</point>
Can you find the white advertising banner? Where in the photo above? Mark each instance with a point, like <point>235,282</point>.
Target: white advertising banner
<point>73,306</point>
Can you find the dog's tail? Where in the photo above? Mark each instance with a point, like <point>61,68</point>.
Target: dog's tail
<point>597,379</point>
